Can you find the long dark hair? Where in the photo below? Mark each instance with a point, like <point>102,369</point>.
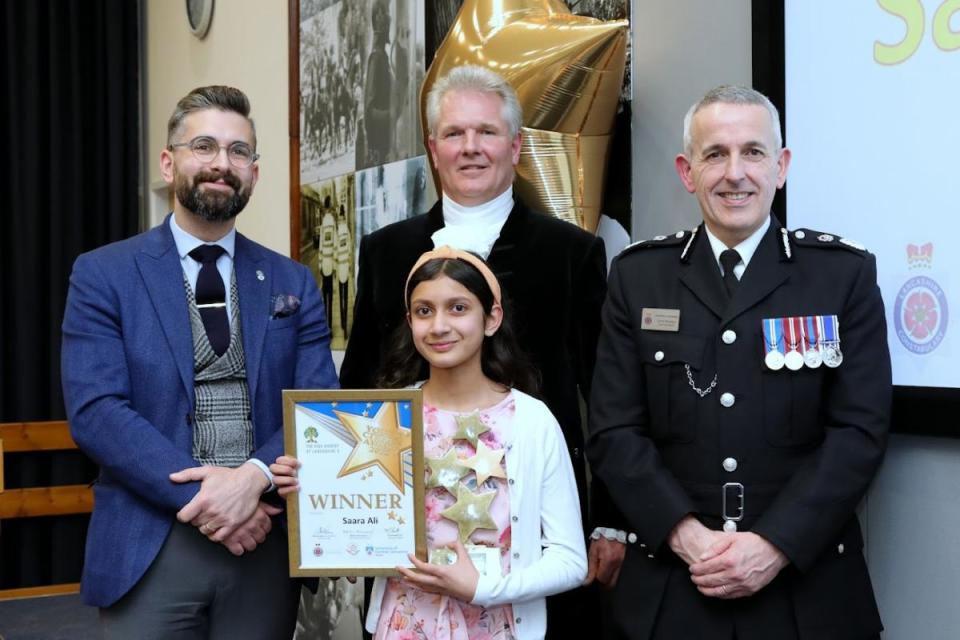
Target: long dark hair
<point>501,358</point>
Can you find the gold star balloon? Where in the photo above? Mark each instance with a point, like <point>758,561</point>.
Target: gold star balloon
<point>470,428</point>
<point>567,71</point>
<point>471,511</point>
<point>486,463</point>
<point>446,471</point>
<point>380,442</point>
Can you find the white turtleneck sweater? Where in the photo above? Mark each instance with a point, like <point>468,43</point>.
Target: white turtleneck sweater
<point>474,228</point>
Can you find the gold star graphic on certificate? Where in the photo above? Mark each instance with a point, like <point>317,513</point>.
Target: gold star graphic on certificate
<point>470,428</point>
<point>380,442</point>
<point>486,463</point>
<point>471,512</point>
<point>446,470</point>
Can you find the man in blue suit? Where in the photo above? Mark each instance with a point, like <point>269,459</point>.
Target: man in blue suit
<point>176,345</point>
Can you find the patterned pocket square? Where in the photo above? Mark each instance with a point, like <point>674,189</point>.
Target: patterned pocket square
<point>284,305</point>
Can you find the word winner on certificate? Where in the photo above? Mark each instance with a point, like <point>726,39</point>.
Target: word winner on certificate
<point>357,498</point>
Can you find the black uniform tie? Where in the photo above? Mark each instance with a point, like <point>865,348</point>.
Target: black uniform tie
<point>211,297</point>
<point>728,260</point>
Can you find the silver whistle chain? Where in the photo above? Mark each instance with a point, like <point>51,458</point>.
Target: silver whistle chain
<point>700,392</point>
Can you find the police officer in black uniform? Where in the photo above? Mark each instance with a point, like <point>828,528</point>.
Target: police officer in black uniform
<point>740,405</point>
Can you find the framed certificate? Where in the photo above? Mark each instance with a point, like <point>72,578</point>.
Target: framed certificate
<point>359,511</point>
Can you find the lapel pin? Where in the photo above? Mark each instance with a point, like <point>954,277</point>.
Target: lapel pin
<point>260,275</point>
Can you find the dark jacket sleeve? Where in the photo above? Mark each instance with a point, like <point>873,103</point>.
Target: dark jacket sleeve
<point>619,448</point>
<point>362,358</point>
<point>590,289</point>
<point>98,393</point>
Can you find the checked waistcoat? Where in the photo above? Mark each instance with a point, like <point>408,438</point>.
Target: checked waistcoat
<point>222,426</point>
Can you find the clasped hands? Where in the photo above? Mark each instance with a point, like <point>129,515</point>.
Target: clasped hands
<point>726,565</point>
<point>228,509</point>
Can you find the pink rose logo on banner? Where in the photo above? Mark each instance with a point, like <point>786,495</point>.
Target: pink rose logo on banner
<point>920,315</point>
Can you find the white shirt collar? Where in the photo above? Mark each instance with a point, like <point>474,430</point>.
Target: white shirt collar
<point>187,243</point>
<point>746,249</point>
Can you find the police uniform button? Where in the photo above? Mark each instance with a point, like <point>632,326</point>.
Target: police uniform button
<point>800,235</point>
<point>729,336</point>
<point>519,620</point>
<point>730,464</point>
<point>840,548</point>
<point>631,538</point>
<point>658,356</point>
<point>727,399</point>
<point>515,518</point>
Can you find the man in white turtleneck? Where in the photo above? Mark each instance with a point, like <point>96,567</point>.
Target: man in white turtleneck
<point>474,143</point>
<point>553,274</point>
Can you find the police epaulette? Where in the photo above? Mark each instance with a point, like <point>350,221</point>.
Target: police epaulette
<point>811,238</point>
<point>673,240</point>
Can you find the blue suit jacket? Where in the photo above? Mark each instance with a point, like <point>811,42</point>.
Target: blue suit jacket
<point>127,370</point>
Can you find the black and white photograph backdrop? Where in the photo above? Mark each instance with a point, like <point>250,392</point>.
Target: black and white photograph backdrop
<point>392,192</point>
<point>327,248</point>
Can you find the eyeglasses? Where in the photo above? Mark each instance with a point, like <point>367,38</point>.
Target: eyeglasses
<point>205,149</point>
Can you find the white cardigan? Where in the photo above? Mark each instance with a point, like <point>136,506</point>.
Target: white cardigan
<point>547,546</point>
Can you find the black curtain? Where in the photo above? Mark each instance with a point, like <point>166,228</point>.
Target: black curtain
<point>70,126</point>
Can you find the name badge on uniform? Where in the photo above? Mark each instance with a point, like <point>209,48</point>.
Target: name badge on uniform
<point>652,319</point>
<point>801,340</point>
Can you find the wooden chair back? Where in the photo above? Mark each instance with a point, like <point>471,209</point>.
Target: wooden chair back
<point>16,437</point>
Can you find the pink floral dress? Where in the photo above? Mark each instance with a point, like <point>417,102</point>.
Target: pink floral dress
<point>407,613</point>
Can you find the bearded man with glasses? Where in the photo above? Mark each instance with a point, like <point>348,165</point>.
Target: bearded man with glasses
<point>176,344</point>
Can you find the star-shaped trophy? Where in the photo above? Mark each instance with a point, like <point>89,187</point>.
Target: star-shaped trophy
<point>470,428</point>
<point>446,471</point>
<point>380,442</point>
<point>486,463</point>
<point>471,511</point>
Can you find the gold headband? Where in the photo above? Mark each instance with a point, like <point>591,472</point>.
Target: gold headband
<point>447,252</point>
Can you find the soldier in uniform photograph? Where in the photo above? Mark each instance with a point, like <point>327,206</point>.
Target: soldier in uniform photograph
<point>328,243</point>
<point>378,91</point>
<point>344,257</point>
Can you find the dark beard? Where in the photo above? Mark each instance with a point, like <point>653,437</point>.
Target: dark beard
<point>212,206</point>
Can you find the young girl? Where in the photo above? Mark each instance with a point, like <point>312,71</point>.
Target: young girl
<point>507,459</point>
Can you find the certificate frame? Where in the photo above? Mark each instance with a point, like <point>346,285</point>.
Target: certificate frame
<point>360,508</point>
